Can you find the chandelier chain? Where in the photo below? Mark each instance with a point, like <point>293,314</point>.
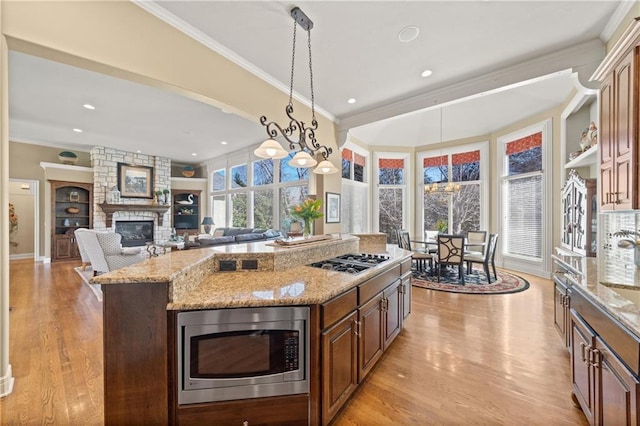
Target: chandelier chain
<point>293,62</point>
<point>313,109</point>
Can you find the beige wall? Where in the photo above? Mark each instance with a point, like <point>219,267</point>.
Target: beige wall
<point>21,242</point>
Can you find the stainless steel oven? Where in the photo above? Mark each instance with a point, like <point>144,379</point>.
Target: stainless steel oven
<point>242,353</point>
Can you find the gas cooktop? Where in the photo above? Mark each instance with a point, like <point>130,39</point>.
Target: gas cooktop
<point>351,263</point>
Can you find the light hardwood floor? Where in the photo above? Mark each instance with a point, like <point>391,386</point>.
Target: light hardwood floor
<point>461,360</point>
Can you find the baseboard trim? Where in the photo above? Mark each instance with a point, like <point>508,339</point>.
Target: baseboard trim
<point>6,383</point>
<point>44,259</point>
<point>21,256</point>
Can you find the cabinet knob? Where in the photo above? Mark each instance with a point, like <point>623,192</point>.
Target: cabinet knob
<point>245,423</point>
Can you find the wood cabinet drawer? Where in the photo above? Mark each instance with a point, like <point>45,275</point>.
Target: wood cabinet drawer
<point>338,307</point>
<point>375,285</point>
<point>282,410</point>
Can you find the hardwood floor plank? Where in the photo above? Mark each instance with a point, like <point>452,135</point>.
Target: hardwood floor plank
<point>461,360</point>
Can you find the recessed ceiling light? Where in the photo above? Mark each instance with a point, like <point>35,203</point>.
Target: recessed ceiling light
<point>89,106</point>
<point>224,142</point>
<point>138,151</point>
<point>77,130</point>
<point>426,73</point>
<point>194,154</point>
<point>408,34</point>
<point>351,101</point>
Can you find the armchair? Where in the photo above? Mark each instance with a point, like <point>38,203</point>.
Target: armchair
<point>104,252</point>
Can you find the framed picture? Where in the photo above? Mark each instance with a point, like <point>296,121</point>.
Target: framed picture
<point>332,207</point>
<point>135,181</point>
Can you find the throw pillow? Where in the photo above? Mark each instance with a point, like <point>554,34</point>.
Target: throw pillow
<point>218,233</point>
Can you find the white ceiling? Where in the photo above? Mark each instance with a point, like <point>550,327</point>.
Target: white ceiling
<point>356,53</point>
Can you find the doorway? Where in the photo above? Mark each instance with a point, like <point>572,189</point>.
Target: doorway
<point>24,231</point>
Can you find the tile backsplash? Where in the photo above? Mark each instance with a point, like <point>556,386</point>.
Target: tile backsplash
<point>618,256</point>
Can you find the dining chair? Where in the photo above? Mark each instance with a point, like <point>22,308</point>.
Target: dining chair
<point>451,253</point>
<point>485,258</point>
<point>419,256</point>
<point>479,237</point>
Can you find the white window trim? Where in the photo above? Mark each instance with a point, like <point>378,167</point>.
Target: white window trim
<point>485,177</point>
<point>407,207</point>
<point>542,267</point>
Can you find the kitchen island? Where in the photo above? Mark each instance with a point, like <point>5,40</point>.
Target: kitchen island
<point>597,313</point>
<point>353,318</point>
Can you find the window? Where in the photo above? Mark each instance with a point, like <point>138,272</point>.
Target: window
<point>460,210</point>
<point>248,195</point>
<point>522,197</point>
<point>218,180</point>
<point>392,189</point>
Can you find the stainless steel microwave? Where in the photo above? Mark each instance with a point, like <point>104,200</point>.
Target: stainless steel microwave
<point>229,354</point>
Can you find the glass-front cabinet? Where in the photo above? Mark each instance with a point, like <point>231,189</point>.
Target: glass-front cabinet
<point>579,216</point>
<point>71,208</point>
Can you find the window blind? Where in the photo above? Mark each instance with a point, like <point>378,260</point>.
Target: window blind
<point>524,216</point>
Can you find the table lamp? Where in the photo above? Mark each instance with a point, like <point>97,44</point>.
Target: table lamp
<point>207,221</point>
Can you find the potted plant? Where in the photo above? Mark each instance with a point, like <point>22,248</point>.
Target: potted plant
<point>441,226</point>
<point>167,196</point>
<point>158,197</point>
<point>307,211</point>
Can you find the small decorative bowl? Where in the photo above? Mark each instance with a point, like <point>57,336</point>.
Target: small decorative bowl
<point>68,157</point>
<point>188,171</point>
<point>72,210</point>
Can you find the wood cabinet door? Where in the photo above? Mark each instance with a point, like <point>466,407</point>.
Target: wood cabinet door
<point>616,389</point>
<point>582,372</point>
<point>371,335</point>
<point>606,142</point>
<point>62,248</point>
<point>406,297</point>
<point>624,132</point>
<point>559,310</point>
<point>392,313</point>
<point>339,365</point>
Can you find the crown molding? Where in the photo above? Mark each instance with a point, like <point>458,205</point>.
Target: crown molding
<point>616,19</point>
<point>540,67</point>
<point>46,166</point>
<point>164,15</point>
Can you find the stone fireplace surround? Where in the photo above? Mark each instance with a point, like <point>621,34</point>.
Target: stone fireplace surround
<point>105,176</point>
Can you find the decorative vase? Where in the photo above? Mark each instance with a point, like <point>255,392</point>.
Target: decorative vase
<point>306,233</point>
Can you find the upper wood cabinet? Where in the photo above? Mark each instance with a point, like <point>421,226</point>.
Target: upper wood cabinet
<point>619,124</point>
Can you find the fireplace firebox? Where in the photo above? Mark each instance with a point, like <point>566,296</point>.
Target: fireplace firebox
<point>135,232</point>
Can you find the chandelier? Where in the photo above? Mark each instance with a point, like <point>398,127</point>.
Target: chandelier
<point>434,187</point>
<point>297,134</point>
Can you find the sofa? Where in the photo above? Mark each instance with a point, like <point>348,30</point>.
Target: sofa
<point>224,236</point>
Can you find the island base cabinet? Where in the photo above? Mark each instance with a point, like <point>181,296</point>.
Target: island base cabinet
<point>290,410</point>
<point>340,364</point>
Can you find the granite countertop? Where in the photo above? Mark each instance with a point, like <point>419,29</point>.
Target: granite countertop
<point>620,300</point>
<point>195,285</point>
<point>299,285</point>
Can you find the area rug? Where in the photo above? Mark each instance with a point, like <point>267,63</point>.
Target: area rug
<point>474,283</point>
<point>86,276</point>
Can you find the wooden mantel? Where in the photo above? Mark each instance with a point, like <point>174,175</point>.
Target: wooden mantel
<point>110,209</point>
